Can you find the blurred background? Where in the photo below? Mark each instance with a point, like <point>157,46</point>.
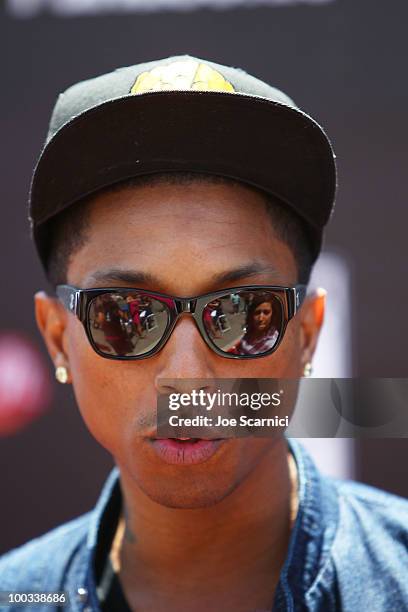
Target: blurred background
<point>344,62</point>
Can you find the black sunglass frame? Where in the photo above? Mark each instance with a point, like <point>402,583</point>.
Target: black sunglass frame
<point>78,302</point>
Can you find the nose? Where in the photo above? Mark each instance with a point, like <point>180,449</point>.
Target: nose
<point>185,362</point>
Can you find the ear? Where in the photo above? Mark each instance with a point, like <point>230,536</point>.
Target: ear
<point>51,319</point>
<point>312,316</point>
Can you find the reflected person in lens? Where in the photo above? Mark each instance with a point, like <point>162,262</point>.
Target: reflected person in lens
<point>261,332</point>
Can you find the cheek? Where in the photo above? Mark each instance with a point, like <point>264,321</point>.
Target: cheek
<point>285,363</point>
<point>116,398</point>
<point>287,359</point>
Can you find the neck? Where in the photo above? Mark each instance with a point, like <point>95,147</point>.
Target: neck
<point>246,533</point>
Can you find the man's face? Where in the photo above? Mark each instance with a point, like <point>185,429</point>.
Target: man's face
<point>183,240</point>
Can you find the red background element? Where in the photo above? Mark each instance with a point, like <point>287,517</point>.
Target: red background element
<point>25,386</point>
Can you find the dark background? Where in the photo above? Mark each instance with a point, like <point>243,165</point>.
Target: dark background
<point>344,63</point>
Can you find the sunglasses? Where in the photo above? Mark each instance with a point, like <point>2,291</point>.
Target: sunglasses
<point>128,323</point>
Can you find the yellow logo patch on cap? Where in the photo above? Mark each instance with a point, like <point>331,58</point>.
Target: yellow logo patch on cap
<point>182,75</point>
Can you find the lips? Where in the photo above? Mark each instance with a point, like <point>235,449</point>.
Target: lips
<point>185,451</point>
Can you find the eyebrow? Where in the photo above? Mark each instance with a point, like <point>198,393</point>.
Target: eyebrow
<point>132,277</point>
<point>137,277</point>
<point>252,269</point>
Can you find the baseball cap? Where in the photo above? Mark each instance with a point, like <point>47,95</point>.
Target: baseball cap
<point>183,114</point>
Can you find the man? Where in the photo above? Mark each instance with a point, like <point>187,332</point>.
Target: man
<point>183,181</point>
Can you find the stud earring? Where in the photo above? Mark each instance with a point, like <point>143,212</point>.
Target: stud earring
<point>61,374</point>
<point>308,369</point>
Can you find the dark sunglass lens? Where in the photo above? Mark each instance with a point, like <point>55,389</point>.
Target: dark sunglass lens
<point>245,323</point>
<point>127,324</point>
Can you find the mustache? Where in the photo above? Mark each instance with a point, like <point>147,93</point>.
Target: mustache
<point>147,421</point>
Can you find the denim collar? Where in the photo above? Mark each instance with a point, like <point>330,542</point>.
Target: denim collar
<point>307,566</point>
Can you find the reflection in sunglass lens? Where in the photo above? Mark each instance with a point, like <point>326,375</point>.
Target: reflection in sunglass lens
<point>127,324</point>
<point>244,323</point>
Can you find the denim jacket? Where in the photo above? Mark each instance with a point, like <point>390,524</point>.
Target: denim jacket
<point>348,551</point>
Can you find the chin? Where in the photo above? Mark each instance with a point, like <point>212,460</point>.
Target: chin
<point>187,501</point>
<point>188,490</point>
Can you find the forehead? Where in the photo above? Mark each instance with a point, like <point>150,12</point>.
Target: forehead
<point>181,234</point>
